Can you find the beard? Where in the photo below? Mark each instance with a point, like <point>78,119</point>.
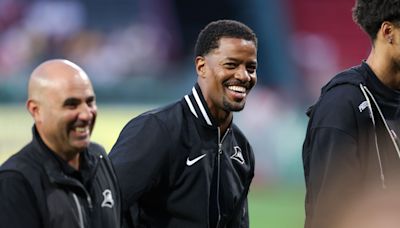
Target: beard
<point>232,106</point>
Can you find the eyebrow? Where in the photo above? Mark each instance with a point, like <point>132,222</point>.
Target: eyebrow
<point>74,101</point>
<point>237,60</point>
<point>90,98</point>
<point>71,101</point>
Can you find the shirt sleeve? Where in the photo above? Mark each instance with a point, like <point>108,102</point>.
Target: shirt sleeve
<point>139,157</point>
<point>245,215</point>
<point>241,219</point>
<point>333,176</point>
<point>17,202</point>
<point>331,161</point>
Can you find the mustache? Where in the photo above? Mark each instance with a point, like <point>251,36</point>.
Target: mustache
<point>82,123</point>
<point>234,82</point>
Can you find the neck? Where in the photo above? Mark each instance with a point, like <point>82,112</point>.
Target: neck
<point>387,71</point>
<point>73,159</point>
<point>223,121</point>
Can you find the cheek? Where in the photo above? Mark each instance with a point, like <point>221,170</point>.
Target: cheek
<point>38,118</point>
<point>214,71</point>
<point>65,119</point>
<point>46,117</point>
<point>40,114</point>
<point>94,114</point>
<point>254,79</point>
<point>94,110</point>
<point>219,76</point>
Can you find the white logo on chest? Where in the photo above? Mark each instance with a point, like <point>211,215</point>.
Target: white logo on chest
<point>191,162</point>
<point>238,156</point>
<point>108,199</point>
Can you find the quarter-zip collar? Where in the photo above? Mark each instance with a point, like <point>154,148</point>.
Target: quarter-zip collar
<point>198,107</point>
<point>58,170</point>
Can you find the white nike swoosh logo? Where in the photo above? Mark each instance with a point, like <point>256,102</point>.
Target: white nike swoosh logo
<point>191,162</point>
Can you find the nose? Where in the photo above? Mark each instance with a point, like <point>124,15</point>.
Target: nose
<point>86,112</point>
<point>242,74</point>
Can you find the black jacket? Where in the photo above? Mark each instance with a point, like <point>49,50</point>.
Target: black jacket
<point>350,150</point>
<point>177,170</point>
<point>40,190</point>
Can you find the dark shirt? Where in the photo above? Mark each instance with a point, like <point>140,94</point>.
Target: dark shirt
<point>20,193</point>
<point>340,156</point>
<point>38,189</point>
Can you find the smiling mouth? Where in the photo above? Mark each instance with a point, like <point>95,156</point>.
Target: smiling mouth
<point>82,131</point>
<point>238,89</point>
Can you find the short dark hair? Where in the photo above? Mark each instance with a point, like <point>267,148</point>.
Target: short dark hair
<point>209,37</point>
<point>370,14</point>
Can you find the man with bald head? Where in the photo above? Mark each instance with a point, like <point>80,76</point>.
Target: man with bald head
<point>60,179</point>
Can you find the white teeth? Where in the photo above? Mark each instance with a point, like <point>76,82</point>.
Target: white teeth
<point>80,129</point>
<point>239,89</point>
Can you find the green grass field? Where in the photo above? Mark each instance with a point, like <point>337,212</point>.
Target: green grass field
<point>270,206</point>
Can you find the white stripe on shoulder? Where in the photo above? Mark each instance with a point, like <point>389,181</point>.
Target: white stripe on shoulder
<point>203,111</point>
<point>190,106</point>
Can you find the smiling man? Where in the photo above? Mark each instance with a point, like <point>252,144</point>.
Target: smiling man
<point>60,179</point>
<point>186,164</point>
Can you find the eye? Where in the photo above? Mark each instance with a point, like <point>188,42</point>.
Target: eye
<point>91,101</point>
<point>71,104</point>
<point>251,69</point>
<point>230,65</point>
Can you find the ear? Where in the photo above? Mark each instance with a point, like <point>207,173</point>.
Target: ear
<point>387,31</point>
<point>200,63</point>
<point>33,109</point>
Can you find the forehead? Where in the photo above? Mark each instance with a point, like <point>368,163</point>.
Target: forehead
<point>236,46</point>
<point>69,87</point>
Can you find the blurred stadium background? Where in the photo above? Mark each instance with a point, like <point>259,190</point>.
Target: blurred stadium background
<point>139,55</point>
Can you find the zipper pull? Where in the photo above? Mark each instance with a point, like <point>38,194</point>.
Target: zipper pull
<point>89,200</point>
<point>219,142</point>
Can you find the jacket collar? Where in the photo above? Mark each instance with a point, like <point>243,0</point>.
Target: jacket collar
<point>198,106</point>
<point>55,167</point>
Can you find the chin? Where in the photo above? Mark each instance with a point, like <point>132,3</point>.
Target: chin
<point>81,146</point>
<point>234,106</point>
<point>237,109</point>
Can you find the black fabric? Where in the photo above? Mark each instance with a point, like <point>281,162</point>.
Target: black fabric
<point>340,159</point>
<point>53,189</point>
<point>17,189</point>
<point>214,200</point>
<point>160,189</point>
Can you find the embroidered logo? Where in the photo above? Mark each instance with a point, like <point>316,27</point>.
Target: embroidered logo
<point>108,199</point>
<point>363,105</point>
<point>191,162</point>
<point>238,156</point>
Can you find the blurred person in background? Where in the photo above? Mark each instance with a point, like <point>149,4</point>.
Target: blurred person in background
<point>60,179</point>
<point>351,146</point>
<point>187,164</point>
<point>375,210</point>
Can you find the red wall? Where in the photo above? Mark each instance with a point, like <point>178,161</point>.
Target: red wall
<point>333,19</point>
